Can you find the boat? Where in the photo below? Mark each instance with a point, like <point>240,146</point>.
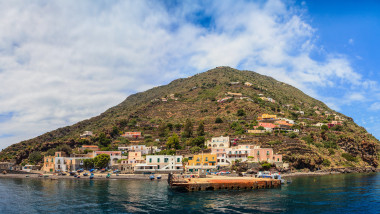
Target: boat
<point>151,177</point>
<point>108,175</point>
<point>78,176</point>
<point>72,173</point>
<point>92,176</point>
<point>85,174</point>
<point>267,174</point>
<point>75,175</point>
<point>158,177</point>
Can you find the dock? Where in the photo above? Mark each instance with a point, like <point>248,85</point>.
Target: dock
<point>222,182</point>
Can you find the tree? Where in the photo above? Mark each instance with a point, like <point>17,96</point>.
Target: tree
<point>88,163</point>
<point>260,128</point>
<point>35,157</point>
<point>115,132</point>
<point>103,140</point>
<point>102,160</point>
<point>324,127</point>
<point>178,126</point>
<point>195,149</point>
<point>162,130</point>
<point>241,113</point>
<point>173,142</point>
<point>188,129</point>
<point>198,141</point>
<point>218,120</point>
<point>201,129</point>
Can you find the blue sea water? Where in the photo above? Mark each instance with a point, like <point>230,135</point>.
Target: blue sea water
<point>349,193</point>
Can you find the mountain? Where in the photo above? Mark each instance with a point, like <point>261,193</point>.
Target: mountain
<point>162,111</point>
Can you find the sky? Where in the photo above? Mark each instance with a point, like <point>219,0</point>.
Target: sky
<point>65,61</point>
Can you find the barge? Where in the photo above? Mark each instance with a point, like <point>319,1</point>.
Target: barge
<point>221,182</point>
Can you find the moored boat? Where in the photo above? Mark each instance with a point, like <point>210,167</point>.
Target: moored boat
<point>158,177</point>
<point>92,176</point>
<point>151,177</point>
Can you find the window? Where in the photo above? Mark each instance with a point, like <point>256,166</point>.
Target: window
<point>278,159</point>
<point>178,159</point>
<point>52,160</point>
<point>206,158</point>
<point>167,159</point>
<point>258,152</point>
<point>267,152</point>
<point>197,159</point>
<point>150,160</point>
<point>213,158</point>
<point>239,152</point>
<point>158,160</point>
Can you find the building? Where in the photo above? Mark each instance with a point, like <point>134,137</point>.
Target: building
<point>240,152</point>
<point>139,148</point>
<point>267,117</point>
<point>135,158</point>
<point>234,94</point>
<point>114,155</point>
<point>134,135</point>
<point>267,126</point>
<point>161,163</point>
<point>204,161</point>
<point>248,84</point>
<point>221,156</point>
<point>86,134</point>
<point>264,154</point>
<point>49,164</point>
<point>89,147</point>
<point>218,142</point>
<point>7,166</point>
<point>254,131</point>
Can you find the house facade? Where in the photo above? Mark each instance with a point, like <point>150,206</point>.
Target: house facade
<point>206,161</point>
<point>218,142</point>
<point>161,163</point>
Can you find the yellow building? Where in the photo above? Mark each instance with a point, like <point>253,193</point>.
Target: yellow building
<point>48,164</point>
<point>205,161</point>
<point>267,117</point>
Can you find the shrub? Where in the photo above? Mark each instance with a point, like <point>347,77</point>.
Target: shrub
<point>331,151</point>
<point>218,120</point>
<point>349,157</point>
<point>324,127</point>
<point>266,165</point>
<point>326,162</point>
<point>293,135</point>
<point>241,113</point>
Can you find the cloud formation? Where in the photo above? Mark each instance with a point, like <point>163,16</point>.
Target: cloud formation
<point>64,61</point>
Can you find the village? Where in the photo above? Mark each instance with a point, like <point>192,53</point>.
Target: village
<point>219,155</point>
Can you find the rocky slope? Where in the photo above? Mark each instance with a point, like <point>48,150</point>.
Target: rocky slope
<point>196,98</point>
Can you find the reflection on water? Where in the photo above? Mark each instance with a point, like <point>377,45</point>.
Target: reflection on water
<point>326,194</point>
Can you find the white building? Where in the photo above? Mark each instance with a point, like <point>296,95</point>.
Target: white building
<point>218,142</point>
<point>221,156</point>
<point>87,134</point>
<point>140,148</point>
<point>161,163</point>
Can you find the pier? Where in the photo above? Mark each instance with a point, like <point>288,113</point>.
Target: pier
<point>221,182</point>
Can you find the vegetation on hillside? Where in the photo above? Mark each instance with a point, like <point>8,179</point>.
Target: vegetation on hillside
<point>190,114</point>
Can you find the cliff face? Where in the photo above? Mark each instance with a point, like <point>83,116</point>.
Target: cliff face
<point>163,110</point>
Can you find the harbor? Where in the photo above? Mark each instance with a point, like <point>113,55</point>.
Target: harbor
<point>222,183</point>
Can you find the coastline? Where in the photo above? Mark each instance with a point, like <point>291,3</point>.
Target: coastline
<point>102,176</point>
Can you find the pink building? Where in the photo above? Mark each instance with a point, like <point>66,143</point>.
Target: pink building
<point>265,154</point>
<point>134,135</point>
<point>135,157</point>
<point>221,156</point>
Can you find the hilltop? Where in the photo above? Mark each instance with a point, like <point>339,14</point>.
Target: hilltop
<point>226,101</point>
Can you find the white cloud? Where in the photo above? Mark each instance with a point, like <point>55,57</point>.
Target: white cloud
<point>351,41</point>
<point>64,61</point>
<point>375,106</point>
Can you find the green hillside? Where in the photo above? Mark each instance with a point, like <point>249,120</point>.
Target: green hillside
<point>196,99</point>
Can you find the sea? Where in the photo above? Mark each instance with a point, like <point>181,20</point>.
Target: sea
<point>342,193</point>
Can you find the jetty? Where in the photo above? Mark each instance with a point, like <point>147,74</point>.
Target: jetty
<point>221,182</point>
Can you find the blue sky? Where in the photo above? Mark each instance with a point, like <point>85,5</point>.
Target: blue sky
<point>65,61</point>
